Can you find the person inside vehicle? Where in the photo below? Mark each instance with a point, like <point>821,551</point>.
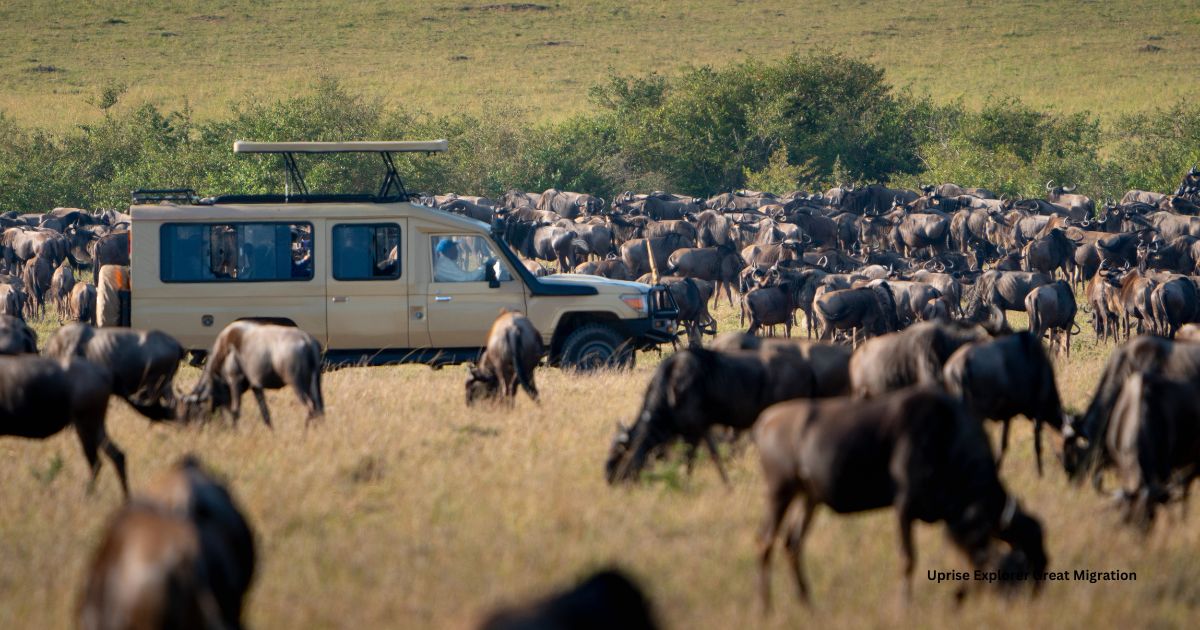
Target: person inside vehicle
<point>445,264</point>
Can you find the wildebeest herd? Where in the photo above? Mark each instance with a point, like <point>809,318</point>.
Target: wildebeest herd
<point>906,293</point>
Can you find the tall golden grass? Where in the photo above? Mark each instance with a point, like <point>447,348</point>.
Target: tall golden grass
<point>405,509</point>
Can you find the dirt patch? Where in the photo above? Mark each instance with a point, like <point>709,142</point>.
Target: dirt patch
<point>506,7</point>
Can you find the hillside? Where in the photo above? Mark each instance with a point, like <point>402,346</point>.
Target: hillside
<point>456,55</point>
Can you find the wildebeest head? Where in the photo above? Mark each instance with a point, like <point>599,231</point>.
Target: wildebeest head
<point>617,452</point>
<point>481,385</point>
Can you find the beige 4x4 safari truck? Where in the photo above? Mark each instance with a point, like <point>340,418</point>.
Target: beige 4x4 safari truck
<point>376,278</point>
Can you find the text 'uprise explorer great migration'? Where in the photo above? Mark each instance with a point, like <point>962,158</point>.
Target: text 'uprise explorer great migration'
<point>1076,575</point>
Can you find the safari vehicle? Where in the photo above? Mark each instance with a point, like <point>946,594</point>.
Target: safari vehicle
<point>376,278</point>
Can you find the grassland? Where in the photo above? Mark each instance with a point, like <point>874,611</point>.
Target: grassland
<point>405,510</point>
<point>453,55</point>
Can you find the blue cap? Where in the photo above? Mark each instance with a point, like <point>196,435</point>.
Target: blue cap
<point>444,246</point>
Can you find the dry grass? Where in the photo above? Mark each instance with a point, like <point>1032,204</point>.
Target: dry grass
<point>454,55</point>
<point>405,510</point>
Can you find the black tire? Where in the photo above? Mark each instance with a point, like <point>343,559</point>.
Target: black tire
<point>596,346</point>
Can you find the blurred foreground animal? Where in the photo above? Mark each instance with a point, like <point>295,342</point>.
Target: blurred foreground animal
<point>257,356</point>
<point>180,556</point>
<point>142,363</point>
<point>40,397</point>
<point>607,599</point>
<point>917,450</point>
<point>16,337</point>
<point>514,348</point>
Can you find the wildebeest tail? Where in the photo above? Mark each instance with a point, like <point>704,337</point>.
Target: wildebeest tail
<point>513,338</point>
<point>314,383</point>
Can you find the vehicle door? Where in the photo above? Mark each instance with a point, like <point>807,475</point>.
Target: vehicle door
<point>470,283</point>
<point>366,285</point>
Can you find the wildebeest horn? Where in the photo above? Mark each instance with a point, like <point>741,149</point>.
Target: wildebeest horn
<point>929,265</point>
<point>1048,187</point>
<point>1086,222</point>
<point>1071,189</point>
<point>822,261</point>
<point>940,266</point>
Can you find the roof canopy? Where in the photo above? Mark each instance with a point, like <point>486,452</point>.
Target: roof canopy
<point>243,146</point>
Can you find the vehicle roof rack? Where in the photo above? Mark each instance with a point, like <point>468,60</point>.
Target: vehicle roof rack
<point>158,195</point>
<point>391,189</point>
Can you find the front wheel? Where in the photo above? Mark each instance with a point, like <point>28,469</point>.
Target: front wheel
<point>596,346</point>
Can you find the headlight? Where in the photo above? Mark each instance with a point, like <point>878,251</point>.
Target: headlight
<point>636,301</point>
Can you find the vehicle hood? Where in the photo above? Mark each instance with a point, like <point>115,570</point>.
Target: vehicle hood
<point>600,282</point>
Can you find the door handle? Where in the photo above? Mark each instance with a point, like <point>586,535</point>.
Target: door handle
<point>339,299</point>
<point>442,298</point>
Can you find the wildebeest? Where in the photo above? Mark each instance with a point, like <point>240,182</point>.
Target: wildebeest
<point>81,305</point>
<point>142,364</point>
<point>771,303</point>
<point>1005,377</point>
<point>16,337</point>
<point>719,265</point>
<point>1051,309</point>
<point>61,284</point>
<point>12,299</point>
<point>913,356</point>
<point>607,599</point>
<point>180,556</point>
<point>915,449</point>
<point>37,274</point>
<point>612,268</point>
<point>1003,290</point>
<point>1049,253</point>
<point>113,249</point>
<point>1174,302</point>
<point>41,396</point>
<point>256,356</point>
<point>513,350</point>
<point>691,392</point>
<point>871,310</point>
<point>636,253</point>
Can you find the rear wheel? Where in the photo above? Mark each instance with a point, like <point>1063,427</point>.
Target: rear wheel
<point>596,346</point>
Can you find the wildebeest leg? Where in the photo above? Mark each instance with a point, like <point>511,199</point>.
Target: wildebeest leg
<point>906,547</point>
<point>262,405</point>
<point>118,460</point>
<point>716,457</point>
<point>1003,443</point>
<point>1037,444</point>
<point>778,500</point>
<point>795,545</point>
<point>90,440</point>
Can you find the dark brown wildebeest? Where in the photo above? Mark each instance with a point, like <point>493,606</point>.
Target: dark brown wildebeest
<point>871,310</point>
<point>916,450</point>
<point>693,391</point>
<point>691,296</point>
<point>514,348</point>
<point>16,337</point>
<point>1076,205</point>
<point>1003,378</point>
<point>142,363</point>
<point>21,244</point>
<point>830,363</point>
<point>12,299</point>
<point>81,305</point>
<point>612,268</point>
<point>1174,302</point>
<point>772,302</point>
<point>40,397</point>
<point>113,249</point>
<point>1049,253</point>
<point>257,356</point>
<point>874,199</point>
<point>913,356</point>
<point>1003,290</point>
<point>61,284</point>
<point>767,255</point>
<point>920,230</point>
<point>1051,309</point>
<point>180,556</point>
<point>541,241</point>
<point>637,259</point>
<point>719,265</point>
<point>910,297</point>
<point>1099,295</point>
<point>37,274</point>
<point>569,205</point>
<point>607,599</point>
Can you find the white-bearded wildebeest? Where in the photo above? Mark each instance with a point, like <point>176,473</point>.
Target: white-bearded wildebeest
<point>913,356</point>
<point>256,356</point>
<point>607,599</point>
<point>514,348</point>
<point>1005,377</point>
<point>40,397</point>
<point>61,284</point>
<point>871,310</point>
<point>16,337</point>
<point>719,265</point>
<point>916,450</point>
<point>142,363</point>
<point>696,389</point>
<point>1173,303</point>
<point>1051,309</point>
<point>81,305</point>
<point>613,268</point>
<point>1004,290</point>
<point>36,275</point>
<point>180,556</point>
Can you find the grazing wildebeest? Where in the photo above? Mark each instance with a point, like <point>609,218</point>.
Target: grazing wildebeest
<point>513,350</point>
<point>695,390</point>
<point>1051,308</point>
<point>16,337</point>
<point>1004,290</point>
<point>1005,377</point>
<point>607,599</point>
<point>913,356</point>
<point>81,305</point>
<point>915,449</point>
<point>180,556</point>
<point>142,363</point>
<point>41,396</point>
<point>256,356</point>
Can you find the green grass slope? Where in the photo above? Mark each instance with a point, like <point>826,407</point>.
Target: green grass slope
<point>449,55</point>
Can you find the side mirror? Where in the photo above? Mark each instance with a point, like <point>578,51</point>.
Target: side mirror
<point>490,273</point>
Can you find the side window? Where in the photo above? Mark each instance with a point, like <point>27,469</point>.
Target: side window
<point>236,252</point>
<point>366,251</point>
<point>465,259</point>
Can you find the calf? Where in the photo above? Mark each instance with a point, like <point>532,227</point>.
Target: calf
<point>1005,377</point>
<point>142,363</point>
<point>916,449</point>
<point>180,556</point>
<point>257,356</point>
<point>40,397</point>
<point>514,348</point>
